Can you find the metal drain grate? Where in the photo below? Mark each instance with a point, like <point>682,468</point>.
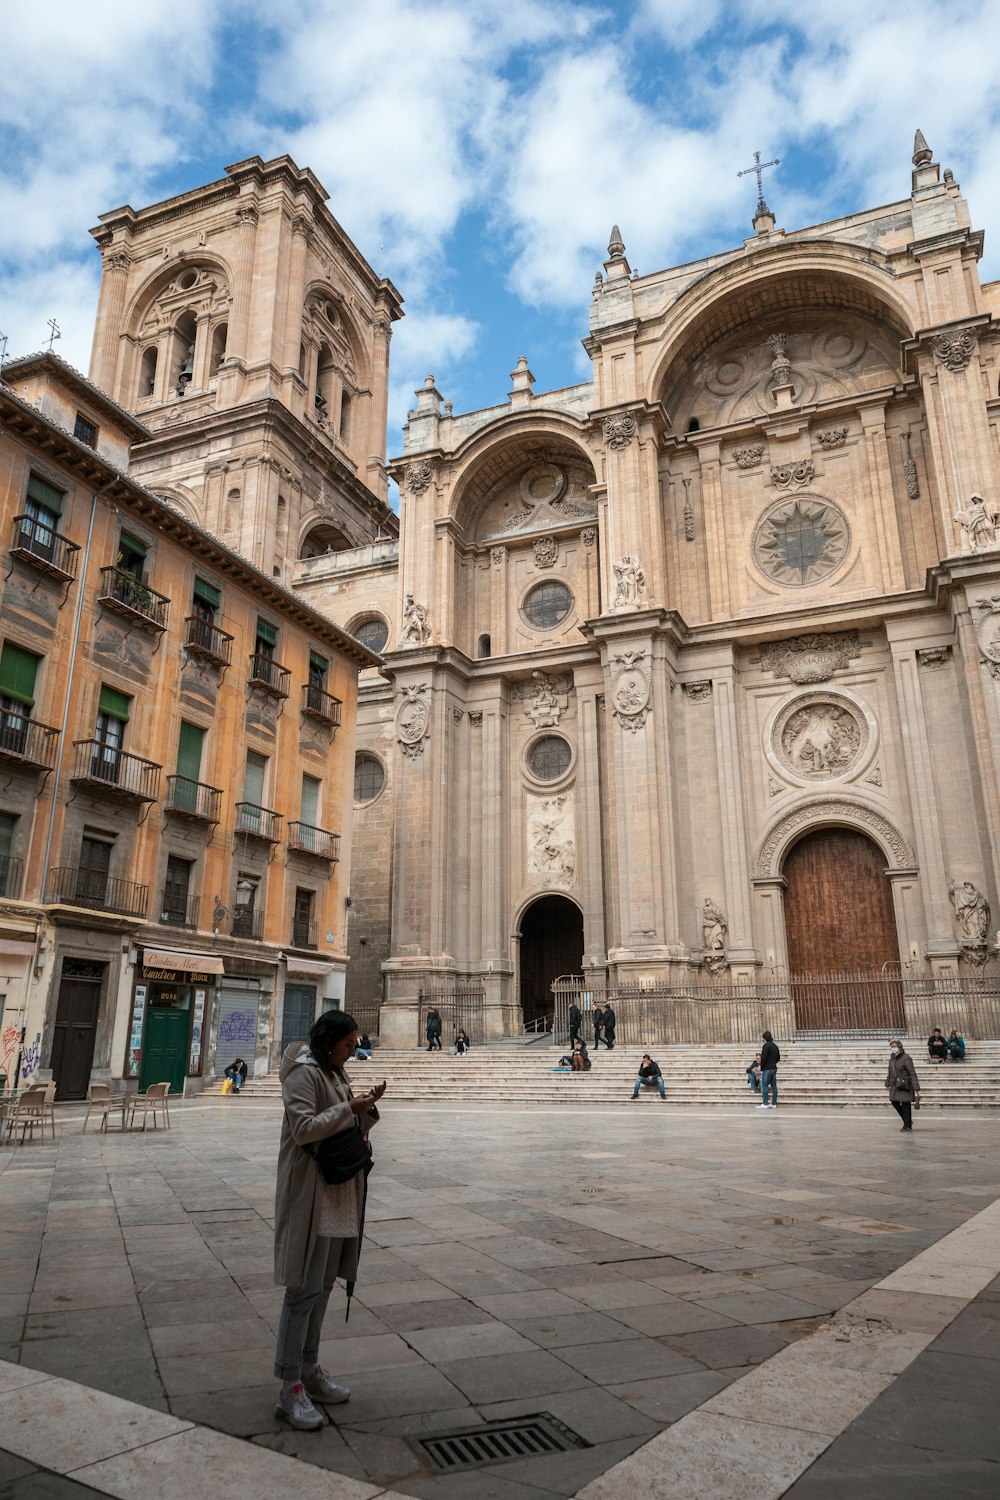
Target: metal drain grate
<point>498,1442</point>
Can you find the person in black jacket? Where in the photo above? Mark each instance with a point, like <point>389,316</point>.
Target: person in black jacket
<point>901,1081</point>
<point>237,1074</point>
<point>649,1076</point>
<point>575,1017</point>
<point>769,1060</point>
<point>609,1023</point>
<point>434,1031</point>
<point>598,1023</point>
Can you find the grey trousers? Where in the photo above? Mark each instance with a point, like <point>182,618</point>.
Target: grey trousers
<point>304,1309</point>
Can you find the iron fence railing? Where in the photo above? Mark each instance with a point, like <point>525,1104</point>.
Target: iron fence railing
<point>367,1016</point>
<point>193,799</point>
<point>99,892</point>
<point>122,591</point>
<point>460,1009</point>
<point>303,933</point>
<point>321,705</point>
<point>260,822</point>
<point>42,546</point>
<point>207,640</point>
<point>27,740</point>
<point>179,911</point>
<point>247,922</point>
<point>103,765</point>
<point>797,1006</point>
<point>306,839</point>
<point>270,675</point>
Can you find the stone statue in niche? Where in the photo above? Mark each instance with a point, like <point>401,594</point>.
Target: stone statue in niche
<point>630,582</point>
<point>972,918</point>
<point>544,708</point>
<point>416,625</point>
<point>821,740</point>
<point>980,525</point>
<point>713,932</point>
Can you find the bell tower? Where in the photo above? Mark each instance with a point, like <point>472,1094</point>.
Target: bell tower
<point>251,336</point>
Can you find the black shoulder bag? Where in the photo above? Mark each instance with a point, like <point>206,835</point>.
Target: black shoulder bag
<point>343,1155</point>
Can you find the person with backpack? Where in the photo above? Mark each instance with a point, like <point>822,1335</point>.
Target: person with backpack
<point>770,1057</point>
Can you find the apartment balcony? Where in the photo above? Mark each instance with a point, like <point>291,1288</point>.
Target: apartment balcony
<point>175,913</point>
<point>70,887</point>
<point>193,799</point>
<point>208,641</point>
<point>127,595</point>
<point>321,705</point>
<point>11,877</point>
<point>303,934</point>
<point>259,822</point>
<point>27,742</point>
<point>247,922</point>
<point>305,839</point>
<point>42,547</point>
<point>103,767</point>
<point>269,676</point>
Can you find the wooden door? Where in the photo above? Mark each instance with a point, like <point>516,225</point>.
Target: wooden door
<point>74,1035</point>
<point>298,1014</point>
<point>839,919</point>
<point>165,1047</point>
<point>551,945</point>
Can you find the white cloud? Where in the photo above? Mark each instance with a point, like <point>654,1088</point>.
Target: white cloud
<point>425,343</point>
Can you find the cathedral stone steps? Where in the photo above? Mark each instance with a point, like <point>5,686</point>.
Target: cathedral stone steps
<point>838,1075</point>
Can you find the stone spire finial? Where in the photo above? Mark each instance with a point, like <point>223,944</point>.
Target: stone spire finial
<point>922,153</point>
<point>520,393</point>
<point>616,265</point>
<point>616,245</point>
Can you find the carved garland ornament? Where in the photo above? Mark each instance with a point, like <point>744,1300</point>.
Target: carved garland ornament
<point>630,690</point>
<point>588,536</point>
<point>783,476</point>
<point>546,550</point>
<point>988,634</point>
<point>839,810</point>
<point>619,431</point>
<point>834,437</point>
<point>749,458</point>
<point>419,475</point>
<point>413,721</point>
<point>955,350</point>
<point>811,658</point>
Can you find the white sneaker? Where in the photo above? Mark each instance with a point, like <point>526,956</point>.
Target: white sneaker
<point>763,1106</point>
<point>298,1411</point>
<point>322,1387</point>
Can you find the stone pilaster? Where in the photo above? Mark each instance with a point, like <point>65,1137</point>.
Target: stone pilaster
<point>883,504</point>
<point>590,712</point>
<point>735,843</point>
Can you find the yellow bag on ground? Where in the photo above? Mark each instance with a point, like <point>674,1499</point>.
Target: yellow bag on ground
<point>227,1087</point>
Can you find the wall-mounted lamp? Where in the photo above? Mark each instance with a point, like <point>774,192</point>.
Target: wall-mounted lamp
<point>348,901</point>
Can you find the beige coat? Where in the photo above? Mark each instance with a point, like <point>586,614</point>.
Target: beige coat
<point>316,1106</point>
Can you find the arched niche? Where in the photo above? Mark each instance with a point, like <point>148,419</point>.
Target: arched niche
<point>523,480</point>
<point>550,945</point>
<point>322,537</point>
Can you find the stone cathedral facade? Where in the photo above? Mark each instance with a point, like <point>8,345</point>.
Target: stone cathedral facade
<point>693,668</point>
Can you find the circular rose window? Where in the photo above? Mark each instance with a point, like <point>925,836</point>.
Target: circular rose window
<point>547,605</point>
<point>801,541</point>
<point>371,633</point>
<point>549,758</point>
<point>369,777</point>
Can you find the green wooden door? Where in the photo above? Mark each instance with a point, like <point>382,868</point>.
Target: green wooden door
<point>164,1054</point>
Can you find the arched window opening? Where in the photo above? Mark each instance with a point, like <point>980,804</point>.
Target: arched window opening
<point>182,361</point>
<point>485,646</point>
<point>323,399</point>
<point>345,416</point>
<point>147,372</point>
<point>694,425</point>
<point>302,360</point>
<point>323,539</point>
<point>219,339</point>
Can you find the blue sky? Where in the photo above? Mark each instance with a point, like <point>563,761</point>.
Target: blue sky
<point>479,152</point>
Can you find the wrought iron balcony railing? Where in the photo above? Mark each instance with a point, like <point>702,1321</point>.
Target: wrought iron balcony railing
<point>26,740</point>
<point>204,639</point>
<point>258,822</point>
<point>306,839</point>
<point>193,799</point>
<point>42,547</point>
<point>321,705</point>
<point>99,892</point>
<point>177,913</point>
<point>269,675</point>
<point>122,591</point>
<point>11,876</point>
<point>247,922</point>
<point>104,766</point>
<point>303,934</point>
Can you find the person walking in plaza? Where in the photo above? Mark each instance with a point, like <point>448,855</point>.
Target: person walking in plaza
<point>770,1057</point>
<point>575,1017</point>
<point>598,1023</point>
<point>901,1081</point>
<point>317,1225</point>
<point>434,1031</point>
<point>608,1024</point>
<point>649,1076</point>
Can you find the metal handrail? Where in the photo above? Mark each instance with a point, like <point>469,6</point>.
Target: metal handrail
<point>269,674</point>
<point>74,887</point>
<point>11,876</point>
<point>247,922</point>
<point>303,934</point>
<point>259,822</point>
<point>183,915</point>
<point>306,839</point>
<point>25,739</point>
<point>193,799</point>
<point>319,704</point>
<point>44,546</point>
<point>208,640</point>
<point>123,591</point>
<point>100,764</point>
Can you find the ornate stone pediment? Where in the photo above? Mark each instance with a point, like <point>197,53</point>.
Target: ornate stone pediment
<point>811,658</point>
<point>542,497</point>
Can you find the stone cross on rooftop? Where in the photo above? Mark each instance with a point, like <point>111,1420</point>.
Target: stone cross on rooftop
<point>758,169</point>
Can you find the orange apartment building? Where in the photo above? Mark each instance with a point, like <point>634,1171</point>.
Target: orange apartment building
<point>176,768</point>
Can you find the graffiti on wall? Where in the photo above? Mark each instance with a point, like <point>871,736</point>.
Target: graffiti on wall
<point>30,1058</point>
<point>239,1026</point>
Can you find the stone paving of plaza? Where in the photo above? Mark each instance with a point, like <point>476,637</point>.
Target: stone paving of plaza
<point>617,1268</point>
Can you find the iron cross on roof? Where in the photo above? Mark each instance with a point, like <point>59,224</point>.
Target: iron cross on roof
<point>758,169</point>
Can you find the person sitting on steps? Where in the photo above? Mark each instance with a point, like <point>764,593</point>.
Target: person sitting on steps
<point>937,1047</point>
<point>649,1076</point>
<point>237,1074</point>
<point>956,1047</point>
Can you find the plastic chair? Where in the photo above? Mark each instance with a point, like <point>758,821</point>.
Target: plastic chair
<point>34,1107</point>
<point>104,1101</point>
<point>153,1100</point>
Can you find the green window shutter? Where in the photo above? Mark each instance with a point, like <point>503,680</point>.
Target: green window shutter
<point>207,594</point>
<point>45,494</point>
<point>189,748</point>
<point>310,801</point>
<point>17,674</point>
<point>318,663</point>
<point>267,633</point>
<point>129,544</point>
<point>114,704</point>
<point>253,780</point>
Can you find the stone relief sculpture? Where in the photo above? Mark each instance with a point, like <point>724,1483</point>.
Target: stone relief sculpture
<point>785,475</point>
<point>781,365</point>
<point>416,625</point>
<point>820,740</point>
<point>988,634</point>
<point>801,541</point>
<point>972,919</point>
<point>688,512</point>
<point>980,526</point>
<point>412,721</point>
<point>630,693</point>
<point>713,931</point>
<point>955,350</point>
<point>551,845</point>
<point>910,476</point>
<point>630,582</point>
<point>544,495</point>
<point>546,550</point>
<point>833,437</point>
<point>418,476</point>
<point>619,431</point>
<point>749,458</point>
<point>813,657</point>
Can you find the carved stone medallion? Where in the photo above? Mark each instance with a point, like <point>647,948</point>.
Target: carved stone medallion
<point>988,634</point>
<point>542,483</point>
<point>799,542</point>
<point>413,721</point>
<point>811,658</point>
<point>820,737</point>
<point>546,550</point>
<point>418,476</point>
<point>619,431</point>
<point>955,350</point>
<point>630,693</point>
<point>749,458</point>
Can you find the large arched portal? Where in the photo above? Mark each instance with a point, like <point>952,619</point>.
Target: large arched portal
<point>551,944</point>
<point>839,920</point>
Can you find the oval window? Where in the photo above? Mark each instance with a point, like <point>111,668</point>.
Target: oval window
<point>371,633</point>
<point>369,777</point>
<point>549,758</point>
<point>548,604</point>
